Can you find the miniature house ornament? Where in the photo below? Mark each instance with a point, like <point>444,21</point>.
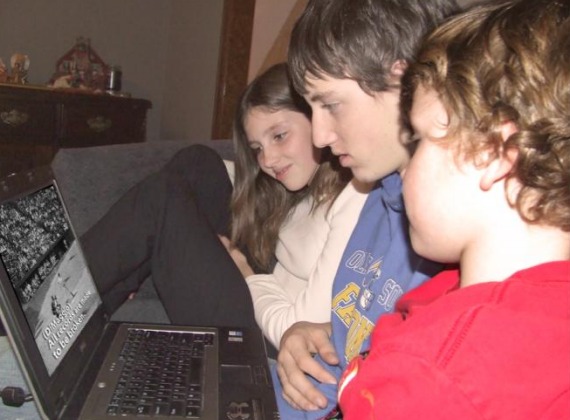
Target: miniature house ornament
<point>81,67</point>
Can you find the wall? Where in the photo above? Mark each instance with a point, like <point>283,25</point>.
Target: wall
<point>268,21</point>
<point>168,51</point>
<point>190,79</point>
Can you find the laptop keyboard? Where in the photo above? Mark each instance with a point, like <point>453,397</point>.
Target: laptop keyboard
<point>162,374</point>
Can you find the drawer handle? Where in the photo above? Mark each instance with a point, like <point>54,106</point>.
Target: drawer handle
<point>14,117</point>
<point>99,123</point>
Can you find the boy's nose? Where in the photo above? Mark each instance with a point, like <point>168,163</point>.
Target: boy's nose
<point>323,135</point>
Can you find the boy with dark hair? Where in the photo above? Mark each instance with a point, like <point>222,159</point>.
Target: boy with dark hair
<point>488,187</point>
<point>347,58</point>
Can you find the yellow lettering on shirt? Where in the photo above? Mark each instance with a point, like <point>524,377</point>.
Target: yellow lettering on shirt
<point>359,330</point>
<point>359,327</point>
<point>343,302</point>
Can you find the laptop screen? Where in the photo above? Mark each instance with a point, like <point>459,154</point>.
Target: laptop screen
<point>47,271</point>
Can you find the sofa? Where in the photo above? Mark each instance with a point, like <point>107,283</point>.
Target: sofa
<point>91,179</point>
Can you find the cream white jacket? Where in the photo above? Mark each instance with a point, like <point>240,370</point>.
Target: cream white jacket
<point>308,252</point>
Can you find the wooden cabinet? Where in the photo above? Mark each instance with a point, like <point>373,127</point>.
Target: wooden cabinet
<point>35,122</point>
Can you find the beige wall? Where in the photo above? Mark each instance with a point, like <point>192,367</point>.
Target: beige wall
<point>190,80</point>
<point>168,50</point>
<point>269,18</point>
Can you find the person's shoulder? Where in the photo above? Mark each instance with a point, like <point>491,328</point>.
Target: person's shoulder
<point>555,271</point>
<point>448,320</point>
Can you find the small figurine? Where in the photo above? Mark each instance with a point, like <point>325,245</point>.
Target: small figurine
<point>3,72</point>
<point>19,63</point>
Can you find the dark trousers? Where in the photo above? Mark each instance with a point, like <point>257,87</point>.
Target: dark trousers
<point>167,226</point>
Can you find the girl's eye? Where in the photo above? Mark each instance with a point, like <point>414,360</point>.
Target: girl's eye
<point>255,149</point>
<point>330,106</point>
<point>280,136</point>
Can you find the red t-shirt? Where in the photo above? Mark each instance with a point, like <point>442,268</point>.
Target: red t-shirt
<point>492,350</point>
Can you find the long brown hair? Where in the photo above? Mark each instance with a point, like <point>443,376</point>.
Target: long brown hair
<point>260,204</point>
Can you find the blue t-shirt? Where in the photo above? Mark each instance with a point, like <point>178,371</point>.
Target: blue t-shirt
<point>377,267</point>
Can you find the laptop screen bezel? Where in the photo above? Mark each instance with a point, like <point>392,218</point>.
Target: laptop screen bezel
<point>53,392</point>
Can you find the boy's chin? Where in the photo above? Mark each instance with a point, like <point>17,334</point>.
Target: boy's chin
<point>367,175</point>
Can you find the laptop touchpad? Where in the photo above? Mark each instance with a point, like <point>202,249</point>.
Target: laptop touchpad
<point>237,374</point>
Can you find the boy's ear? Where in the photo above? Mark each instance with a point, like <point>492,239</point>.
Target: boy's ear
<point>398,68</point>
<point>501,166</point>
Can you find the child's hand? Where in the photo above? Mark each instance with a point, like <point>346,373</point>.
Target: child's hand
<point>295,362</point>
<point>239,259</point>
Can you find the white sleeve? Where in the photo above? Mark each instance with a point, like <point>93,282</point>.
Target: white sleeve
<point>280,300</point>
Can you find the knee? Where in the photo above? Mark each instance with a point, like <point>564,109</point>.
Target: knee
<point>195,156</point>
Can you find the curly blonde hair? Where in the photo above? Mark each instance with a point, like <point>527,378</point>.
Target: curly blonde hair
<point>508,62</point>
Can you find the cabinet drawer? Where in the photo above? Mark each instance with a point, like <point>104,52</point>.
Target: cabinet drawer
<point>88,125</point>
<point>36,121</point>
<point>27,122</point>
<point>18,157</point>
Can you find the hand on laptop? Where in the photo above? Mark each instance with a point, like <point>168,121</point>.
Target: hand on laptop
<point>298,345</point>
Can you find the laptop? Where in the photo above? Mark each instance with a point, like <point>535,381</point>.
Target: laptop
<point>79,364</point>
